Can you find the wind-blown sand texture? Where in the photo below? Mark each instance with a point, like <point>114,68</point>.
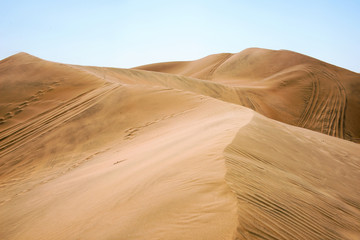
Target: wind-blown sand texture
<point>261,144</point>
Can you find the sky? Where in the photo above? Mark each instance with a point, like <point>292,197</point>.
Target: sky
<point>131,33</point>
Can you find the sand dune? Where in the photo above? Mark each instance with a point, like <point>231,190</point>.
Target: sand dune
<point>168,151</point>
<point>285,86</point>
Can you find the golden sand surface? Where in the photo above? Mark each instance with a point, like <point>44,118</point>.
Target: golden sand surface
<point>261,144</point>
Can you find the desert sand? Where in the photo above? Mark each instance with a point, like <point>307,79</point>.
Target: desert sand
<point>261,144</point>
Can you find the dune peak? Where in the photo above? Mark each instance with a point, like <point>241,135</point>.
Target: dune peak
<point>20,57</point>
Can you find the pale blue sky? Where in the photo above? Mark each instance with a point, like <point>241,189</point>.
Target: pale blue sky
<point>130,33</point>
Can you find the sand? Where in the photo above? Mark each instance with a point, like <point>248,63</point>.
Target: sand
<point>261,144</point>
<point>283,85</point>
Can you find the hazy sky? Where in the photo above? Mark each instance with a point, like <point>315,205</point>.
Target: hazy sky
<point>130,33</point>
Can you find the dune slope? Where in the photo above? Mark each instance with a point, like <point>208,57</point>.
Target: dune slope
<point>107,153</point>
<point>113,160</point>
<point>297,185</point>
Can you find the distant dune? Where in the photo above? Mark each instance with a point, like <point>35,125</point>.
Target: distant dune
<point>218,148</point>
<point>285,86</point>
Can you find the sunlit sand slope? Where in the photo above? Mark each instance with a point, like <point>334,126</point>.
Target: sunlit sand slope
<point>98,159</point>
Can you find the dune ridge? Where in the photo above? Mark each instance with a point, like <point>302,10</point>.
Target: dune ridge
<point>176,150</point>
